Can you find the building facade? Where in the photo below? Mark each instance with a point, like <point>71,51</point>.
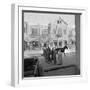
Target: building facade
<point>59,32</point>
<point>54,34</point>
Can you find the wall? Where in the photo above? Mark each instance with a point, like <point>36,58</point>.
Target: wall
<point>5,45</point>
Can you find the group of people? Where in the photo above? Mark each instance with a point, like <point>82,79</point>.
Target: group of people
<point>52,55</point>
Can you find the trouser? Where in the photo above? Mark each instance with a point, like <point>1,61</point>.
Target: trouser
<point>54,59</point>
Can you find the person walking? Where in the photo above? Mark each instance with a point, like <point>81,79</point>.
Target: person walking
<point>59,58</point>
<point>54,55</point>
<point>49,54</point>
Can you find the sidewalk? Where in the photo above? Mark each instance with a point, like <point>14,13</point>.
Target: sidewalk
<point>68,66</point>
<point>67,60</point>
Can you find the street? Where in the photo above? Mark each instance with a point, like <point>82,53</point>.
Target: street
<point>68,66</point>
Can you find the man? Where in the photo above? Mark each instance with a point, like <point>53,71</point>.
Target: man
<point>48,54</point>
<point>54,55</point>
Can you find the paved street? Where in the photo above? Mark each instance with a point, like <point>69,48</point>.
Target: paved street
<point>67,67</point>
<point>69,61</point>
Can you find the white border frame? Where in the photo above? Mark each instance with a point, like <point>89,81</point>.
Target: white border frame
<point>16,26</point>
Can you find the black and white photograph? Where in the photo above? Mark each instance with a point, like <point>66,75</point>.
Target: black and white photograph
<point>51,43</point>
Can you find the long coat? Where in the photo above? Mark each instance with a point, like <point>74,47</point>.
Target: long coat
<point>54,56</point>
<point>59,58</point>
